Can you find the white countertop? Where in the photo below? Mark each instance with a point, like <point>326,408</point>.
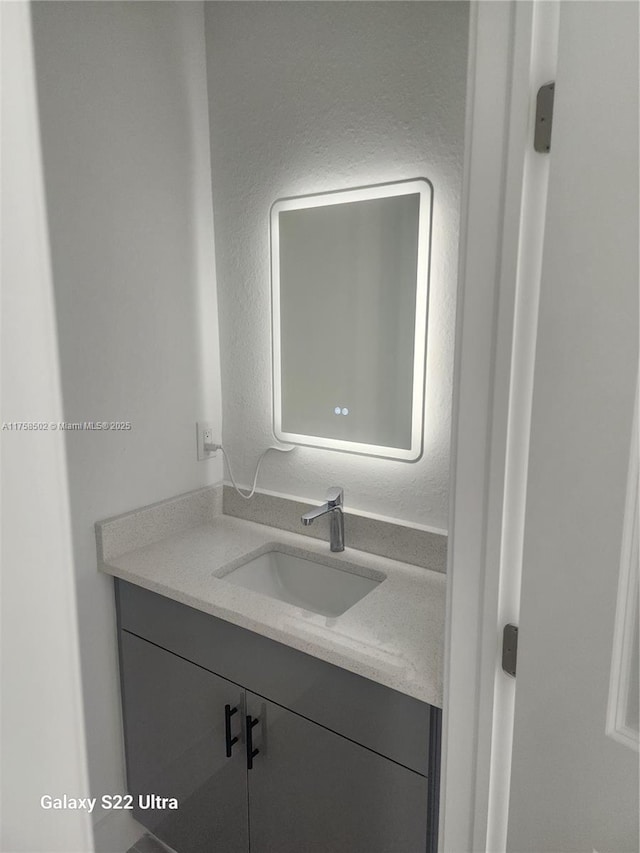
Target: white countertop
<point>394,635</point>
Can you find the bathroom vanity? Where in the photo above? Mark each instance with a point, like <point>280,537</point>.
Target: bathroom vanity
<point>277,729</point>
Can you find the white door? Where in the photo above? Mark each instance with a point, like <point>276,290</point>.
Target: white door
<point>574,787</point>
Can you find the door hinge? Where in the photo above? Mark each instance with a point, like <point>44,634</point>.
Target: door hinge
<point>510,649</point>
<point>544,118</point>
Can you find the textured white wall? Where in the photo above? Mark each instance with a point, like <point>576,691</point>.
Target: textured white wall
<point>313,96</point>
<point>122,91</point>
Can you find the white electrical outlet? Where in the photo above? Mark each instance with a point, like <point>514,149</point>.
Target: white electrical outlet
<point>204,435</point>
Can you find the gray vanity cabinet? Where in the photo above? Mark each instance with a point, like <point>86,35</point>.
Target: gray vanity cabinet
<point>175,722</point>
<point>325,761</point>
<point>312,791</point>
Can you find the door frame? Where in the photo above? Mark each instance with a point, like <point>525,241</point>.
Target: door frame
<point>512,52</point>
<point>43,731</point>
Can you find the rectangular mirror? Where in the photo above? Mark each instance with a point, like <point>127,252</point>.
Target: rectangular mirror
<point>350,274</point>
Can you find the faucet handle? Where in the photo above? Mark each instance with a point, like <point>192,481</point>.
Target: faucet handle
<point>335,496</point>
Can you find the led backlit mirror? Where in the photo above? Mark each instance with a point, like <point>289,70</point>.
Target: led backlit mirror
<point>350,277</point>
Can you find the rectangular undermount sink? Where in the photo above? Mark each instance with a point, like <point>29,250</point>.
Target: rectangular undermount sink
<point>312,586</point>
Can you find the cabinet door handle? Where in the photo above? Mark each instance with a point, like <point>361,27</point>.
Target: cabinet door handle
<point>251,752</point>
<point>228,713</point>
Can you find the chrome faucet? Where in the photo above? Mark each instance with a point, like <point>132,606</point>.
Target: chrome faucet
<point>333,507</point>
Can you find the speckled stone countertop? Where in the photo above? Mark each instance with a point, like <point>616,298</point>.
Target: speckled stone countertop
<point>394,635</point>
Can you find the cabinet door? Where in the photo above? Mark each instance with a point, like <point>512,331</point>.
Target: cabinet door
<point>174,721</point>
<point>313,791</point>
